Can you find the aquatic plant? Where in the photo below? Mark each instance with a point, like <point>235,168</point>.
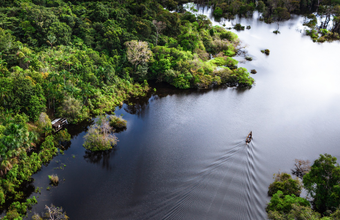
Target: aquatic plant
<point>100,137</point>
<point>54,179</point>
<point>52,213</point>
<point>239,27</point>
<point>117,122</point>
<point>253,71</point>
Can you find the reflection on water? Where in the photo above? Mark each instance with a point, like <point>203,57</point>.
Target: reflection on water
<point>100,157</point>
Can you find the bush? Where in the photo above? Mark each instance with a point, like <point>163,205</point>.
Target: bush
<point>52,212</point>
<point>239,27</point>
<point>117,122</point>
<point>54,179</point>
<point>62,137</point>
<point>99,137</point>
<point>285,183</point>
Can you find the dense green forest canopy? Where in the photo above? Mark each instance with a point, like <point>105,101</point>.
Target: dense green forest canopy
<point>76,59</point>
<point>322,184</point>
<point>53,51</point>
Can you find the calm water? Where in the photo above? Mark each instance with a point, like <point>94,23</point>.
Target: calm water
<point>183,154</point>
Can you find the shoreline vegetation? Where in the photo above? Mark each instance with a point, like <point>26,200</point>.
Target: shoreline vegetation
<point>322,17</point>
<point>320,181</point>
<point>79,59</point>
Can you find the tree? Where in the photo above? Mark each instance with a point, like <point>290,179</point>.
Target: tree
<point>99,137</point>
<point>301,168</point>
<point>73,110</point>
<point>52,213</point>
<point>323,183</point>
<point>285,183</point>
<point>51,39</point>
<point>44,123</point>
<point>298,212</point>
<point>159,25</point>
<point>203,22</point>
<point>138,52</point>
<point>283,203</point>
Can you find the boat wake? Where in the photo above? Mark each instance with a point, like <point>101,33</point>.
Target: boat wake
<point>219,190</point>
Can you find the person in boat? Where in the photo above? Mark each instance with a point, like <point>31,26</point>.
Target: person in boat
<point>250,136</point>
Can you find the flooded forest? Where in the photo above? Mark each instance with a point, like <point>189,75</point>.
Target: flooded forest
<point>140,109</point>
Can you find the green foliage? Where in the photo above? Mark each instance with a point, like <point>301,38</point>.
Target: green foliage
<point>100,137</point>
<point>73,110</point>
<point>54,179</point>
<point>61,137</point>
<point>283,203</point>
<point>218,12</point>
<point>117,122</point>
<point>44,123</point>
<point>285,183</point>
<point>298,212</point>
<point>242,78</point>
<point>322,183</point>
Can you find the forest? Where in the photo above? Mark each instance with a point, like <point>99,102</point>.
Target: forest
<point>322,16</point>
<point>320,181</point>
<point>78,59</point>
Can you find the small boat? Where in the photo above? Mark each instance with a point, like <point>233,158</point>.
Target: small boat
<point>249,137</point>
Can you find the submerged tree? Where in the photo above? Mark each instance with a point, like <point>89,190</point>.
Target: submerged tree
<point>52,213</point>
<point>100,137</point>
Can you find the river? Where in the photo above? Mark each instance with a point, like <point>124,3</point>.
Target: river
<point>183,154</point>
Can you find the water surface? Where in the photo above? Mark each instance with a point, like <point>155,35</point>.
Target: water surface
<point>183,154</point>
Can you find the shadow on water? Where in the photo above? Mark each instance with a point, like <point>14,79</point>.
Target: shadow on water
<point>102,158</point>
<point>138,105</point>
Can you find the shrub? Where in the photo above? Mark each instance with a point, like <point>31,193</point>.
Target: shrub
<point>99,137</point>
<point>62,137</point>
<point>117,122</point>
<point>239,27</point>
<point>52,212</point>
<point>54,179</point>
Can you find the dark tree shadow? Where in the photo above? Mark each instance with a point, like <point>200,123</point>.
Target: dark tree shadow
<point>101,158</point>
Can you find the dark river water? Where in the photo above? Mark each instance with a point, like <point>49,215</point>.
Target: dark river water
<point>183,154</point>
